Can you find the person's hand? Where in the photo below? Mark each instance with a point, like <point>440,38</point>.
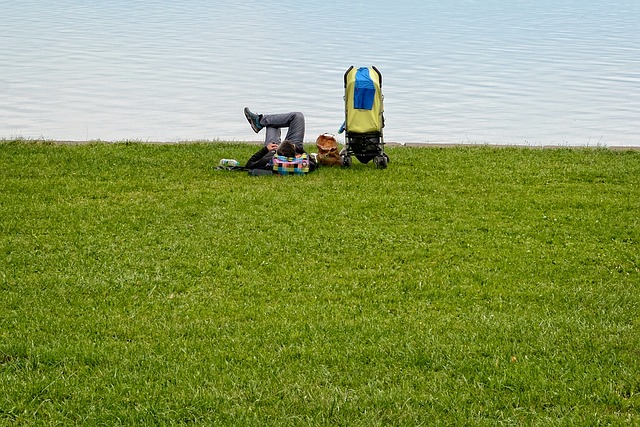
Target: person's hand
<point>272,147</point>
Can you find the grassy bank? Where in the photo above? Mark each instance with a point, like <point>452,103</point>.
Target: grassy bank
<point>475,286</point>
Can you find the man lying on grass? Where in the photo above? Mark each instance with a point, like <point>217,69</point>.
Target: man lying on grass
<point>285,158</point>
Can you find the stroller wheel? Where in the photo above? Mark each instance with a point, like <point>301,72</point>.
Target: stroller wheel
<point>380,162</point>
<point>346,161</point>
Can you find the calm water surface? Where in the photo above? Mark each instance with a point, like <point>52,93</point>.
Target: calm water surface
<point>502,72</point>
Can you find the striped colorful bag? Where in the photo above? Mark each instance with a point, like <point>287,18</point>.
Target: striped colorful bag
<point>298,165</point>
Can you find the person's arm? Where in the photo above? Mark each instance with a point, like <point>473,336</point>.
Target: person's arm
<point>260,159</point>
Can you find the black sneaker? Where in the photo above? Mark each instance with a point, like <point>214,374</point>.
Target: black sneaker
<point>254,120</point>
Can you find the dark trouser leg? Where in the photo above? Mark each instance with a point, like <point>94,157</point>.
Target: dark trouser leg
<point>274,122</point>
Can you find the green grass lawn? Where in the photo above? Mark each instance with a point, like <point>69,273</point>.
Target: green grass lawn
<point>460,286</point>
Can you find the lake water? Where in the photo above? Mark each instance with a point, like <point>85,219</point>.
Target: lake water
<point>461,71</point>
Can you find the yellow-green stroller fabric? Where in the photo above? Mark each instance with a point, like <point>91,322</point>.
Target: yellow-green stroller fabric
<point>358,94</point>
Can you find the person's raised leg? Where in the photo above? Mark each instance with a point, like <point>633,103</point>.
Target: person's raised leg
<point>294,121</point>
<point>295,133</point>
<point>272,135</point>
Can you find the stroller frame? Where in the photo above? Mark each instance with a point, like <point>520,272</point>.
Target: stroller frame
<point>364,138</point>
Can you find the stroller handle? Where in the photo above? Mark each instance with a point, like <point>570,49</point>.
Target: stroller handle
<point>345,76</point>
<point>379,74</point>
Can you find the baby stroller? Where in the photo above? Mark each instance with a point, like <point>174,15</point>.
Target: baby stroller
<point>364,118</point>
